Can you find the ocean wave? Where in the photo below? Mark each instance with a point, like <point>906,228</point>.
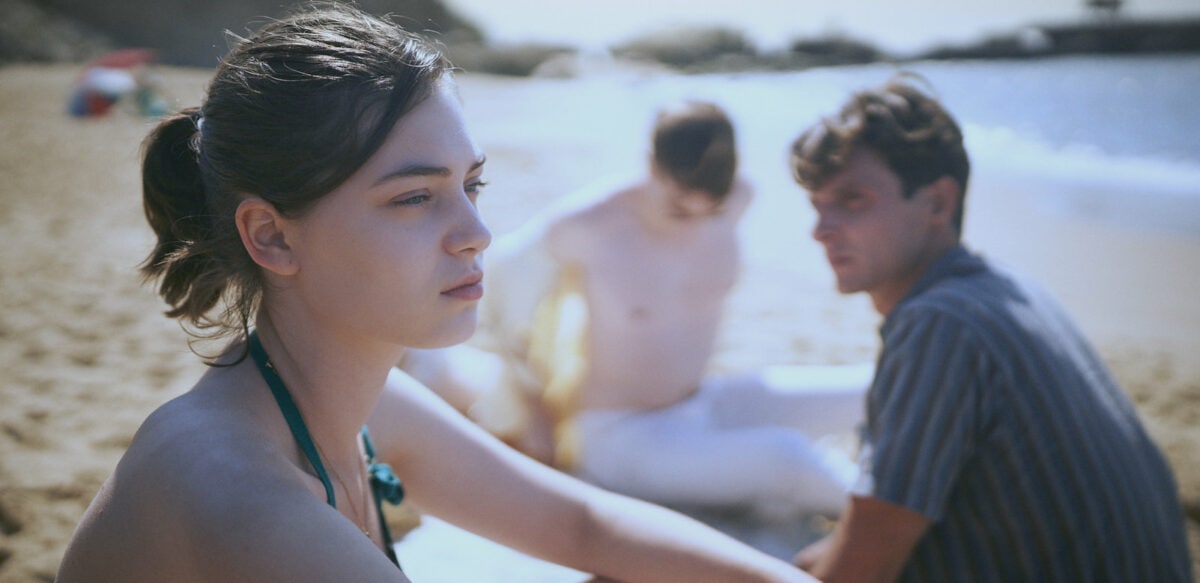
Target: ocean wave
<point>1082,180</point>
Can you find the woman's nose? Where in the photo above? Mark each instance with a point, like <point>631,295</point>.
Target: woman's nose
<point>469,235</point>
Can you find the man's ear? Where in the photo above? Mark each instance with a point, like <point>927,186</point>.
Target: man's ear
<point>656,171</point>
<point>944,198</point>
<point>261,228</point>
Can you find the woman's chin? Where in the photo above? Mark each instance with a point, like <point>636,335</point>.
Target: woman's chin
<point>449,337</point>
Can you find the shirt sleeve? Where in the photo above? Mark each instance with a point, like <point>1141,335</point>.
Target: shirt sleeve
<point>924,412</point>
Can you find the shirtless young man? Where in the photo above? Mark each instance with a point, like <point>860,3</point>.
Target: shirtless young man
<point>636,410</point>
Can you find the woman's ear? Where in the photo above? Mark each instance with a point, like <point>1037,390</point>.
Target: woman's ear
<point>262,230</point>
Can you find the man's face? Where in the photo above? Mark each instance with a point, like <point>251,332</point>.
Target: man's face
<point>876,240</point>
<point>687,204</point>
<point>680,203</point>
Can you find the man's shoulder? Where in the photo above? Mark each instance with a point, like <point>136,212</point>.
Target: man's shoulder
<point>585,199</point>
<point>991,303</point>
<point>740,196</point>
<point>959,278</point>
<point>952,290</point>
<point>584,216</point>
<point>589,219</point>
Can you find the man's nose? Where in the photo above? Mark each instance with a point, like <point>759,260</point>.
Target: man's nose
<point>823,227</point>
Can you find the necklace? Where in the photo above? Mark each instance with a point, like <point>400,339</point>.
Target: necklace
<point>380,475</point>
<point>277,387</point>
<point>364,524</point>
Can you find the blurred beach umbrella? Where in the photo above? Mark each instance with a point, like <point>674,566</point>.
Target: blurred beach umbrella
<point>125,58</point>
<point>114,76</point>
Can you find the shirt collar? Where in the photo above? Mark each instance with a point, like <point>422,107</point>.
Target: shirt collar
<point>957,262</point>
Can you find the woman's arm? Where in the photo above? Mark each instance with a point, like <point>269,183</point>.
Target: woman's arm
<point>455,470</point>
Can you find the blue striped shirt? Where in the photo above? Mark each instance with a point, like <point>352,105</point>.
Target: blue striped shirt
<point>992,416</point>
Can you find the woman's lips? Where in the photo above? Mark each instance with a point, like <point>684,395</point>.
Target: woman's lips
<point>470,288</point>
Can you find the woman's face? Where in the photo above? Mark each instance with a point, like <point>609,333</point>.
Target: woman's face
<point>393,253</point>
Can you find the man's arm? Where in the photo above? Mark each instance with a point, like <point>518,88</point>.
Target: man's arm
<point>871,543</point>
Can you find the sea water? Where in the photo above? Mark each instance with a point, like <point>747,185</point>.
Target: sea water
<point>1110,138</point>
<point>1113,138</point>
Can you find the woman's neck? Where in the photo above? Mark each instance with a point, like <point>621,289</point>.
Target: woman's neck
<point>334,384</point>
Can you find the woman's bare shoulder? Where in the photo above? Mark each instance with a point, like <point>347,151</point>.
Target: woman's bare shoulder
<point>214,492</point>
<point>180,481</point>
<point>198,456</point>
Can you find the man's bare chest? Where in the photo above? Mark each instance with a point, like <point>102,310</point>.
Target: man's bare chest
<point>635,273</point>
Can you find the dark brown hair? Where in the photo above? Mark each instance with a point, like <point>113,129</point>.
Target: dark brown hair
<point>910,129</point>
<point>694,144</point>
<point>291,112</point>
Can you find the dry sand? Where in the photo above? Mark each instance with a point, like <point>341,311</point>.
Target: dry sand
<point>86,354</point>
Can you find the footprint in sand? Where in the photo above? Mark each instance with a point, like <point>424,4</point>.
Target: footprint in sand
<point>85,358</point>
<point>9,523</point>
<point>118,442</point>
<point>23,435</point>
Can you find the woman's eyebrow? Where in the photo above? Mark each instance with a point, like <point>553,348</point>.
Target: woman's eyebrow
<point>420,169</point>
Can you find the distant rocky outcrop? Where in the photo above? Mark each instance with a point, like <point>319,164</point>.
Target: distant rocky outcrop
<point>514,60</point>
<point>32,34</point>
<point>191,32</point>
<point>1109,35</point>
<point>691,49</point>
<point>1126,36</point>
<point>184,32</point>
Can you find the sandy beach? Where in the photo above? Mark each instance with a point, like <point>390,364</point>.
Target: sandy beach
<point>86,353</point>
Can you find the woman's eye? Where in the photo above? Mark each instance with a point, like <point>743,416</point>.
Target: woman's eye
<point>414,200</point>
<point>475,187</point>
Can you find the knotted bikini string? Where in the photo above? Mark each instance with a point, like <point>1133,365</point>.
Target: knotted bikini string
<point>383,479</point>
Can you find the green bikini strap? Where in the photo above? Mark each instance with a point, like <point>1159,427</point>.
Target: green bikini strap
<point>291,413</point>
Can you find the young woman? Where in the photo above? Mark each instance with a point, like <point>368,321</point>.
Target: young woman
<point>320,209</point>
